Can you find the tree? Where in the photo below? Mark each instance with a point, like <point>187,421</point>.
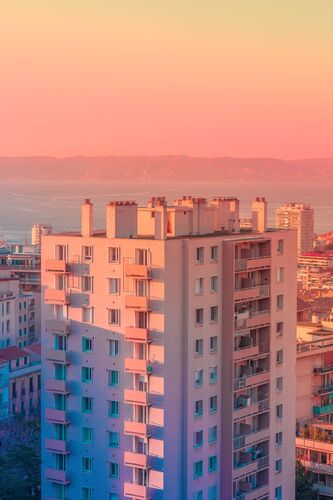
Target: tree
<point>305,489</point>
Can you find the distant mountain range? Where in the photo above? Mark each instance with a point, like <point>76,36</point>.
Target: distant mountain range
<point>168,168</point>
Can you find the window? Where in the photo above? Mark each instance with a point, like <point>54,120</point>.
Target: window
<point>213,344</point>
<point>278,465</point>
<point>197,469</point>
<point>60,491</point>
<point>212,463</point>
<point>87,404</point>
<point>212,434</point>
<point>87,374</point>
<point>198,495</point>
<point>212,404</point>
<point>198,408</point>
<point>113,496</point>
<point>87,435</point>
<point>279,411</point>
<point>279,329</point>
<point>113,347</point>
<point>87,253</point>
<point>113,255</point>
<point>113,378</point>
<point>60,252</point>
<point>199,255</point>
<point>87,493</point>
<point>212,492</point>
<point>279,384</point>
<point>113,409</point>
<point>199,316</point>
<point>199,286</point>
<point>87,464</point>
<point>280,274</point>
<point>60,402</point>
<point>198,378</point>
<point>87,344</point>
<point>113,286</point>
<point>87,314</point>
<point>280,247</point>
<point>279,302</point>
<point>141,256</point>
<point>278,439</point>
<point>31,384</point>
<point>278,493</point>
<point>214,283</point>
<point>60,371</point>
<point>279,357</point>
<point>198,439</point>
<point>113,439</point>
<point>198,350</point>
<point>87,284</point>
<point>213,313</point>
<point>113,316</point>
<point>113,470</point>
<point>212,374</point>
<point>214,253</point>
<point>60,342</point>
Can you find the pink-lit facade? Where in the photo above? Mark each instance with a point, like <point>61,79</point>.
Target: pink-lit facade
<point>168,355</point>
<point>314,406</point>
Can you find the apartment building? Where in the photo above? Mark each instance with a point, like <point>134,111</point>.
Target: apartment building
<point>19,313</point>
<point>314,407</point>
<point>298,216</point>
<point>23,261</point>
<point>37,231</point>
<point>168,355</point>
<point>21,381</point>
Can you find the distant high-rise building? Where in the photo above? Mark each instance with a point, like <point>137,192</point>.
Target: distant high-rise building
<point>298,216</point>
<point>37,231</point>
<point>167,357</point>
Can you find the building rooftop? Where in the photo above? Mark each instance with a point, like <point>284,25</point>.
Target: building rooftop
<point>11,353</point>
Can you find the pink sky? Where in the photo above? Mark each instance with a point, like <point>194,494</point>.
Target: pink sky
<point>209,78</point>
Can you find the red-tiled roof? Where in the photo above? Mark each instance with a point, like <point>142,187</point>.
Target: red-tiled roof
<point>36,348</point>
<point>10,353</point>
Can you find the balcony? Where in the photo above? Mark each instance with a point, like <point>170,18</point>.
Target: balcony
<point>134,397</point>
<point>57,386</point>
<point>246,352</point>
<point>318,467</point>
<point>56,476</point>
<point>136,429</point>
<point>325,389</point>
<point>133,334</point>
<point>140,366</point>
<point>57,297</point>
<point>253,293</point>
<point>255,378</point>
<point>56,416</point>
<point>140,271</point>
<point>311,444</point>
<point>136,491</point>
<point>132,459</point>
<point>252,408</point>
<point>57,356</point>
<point>251,263</point>
<point>323,410</point>
<point>56,445</point>
<point>322,369</point>
<point>248,466</point>
<point>56,266</point>
<point>136,302</point>
<point>57,326</point>
<point>253,320</point>
<point>253,492</point>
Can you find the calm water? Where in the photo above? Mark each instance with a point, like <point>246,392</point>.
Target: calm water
<point>23,204</point>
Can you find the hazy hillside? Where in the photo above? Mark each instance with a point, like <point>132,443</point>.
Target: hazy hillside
<point>165,168</point>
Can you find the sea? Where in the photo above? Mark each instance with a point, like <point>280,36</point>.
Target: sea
<point>23,203</point>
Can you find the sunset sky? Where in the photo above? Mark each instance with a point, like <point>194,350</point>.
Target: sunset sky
<point>132,77</point>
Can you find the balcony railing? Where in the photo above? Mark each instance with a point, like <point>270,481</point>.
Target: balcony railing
<point>133,459</point>
<point>137,271</point>
<point>133,428</point>
<point>252,262</point>
<point>58,297</point>
<point>57,386</point>
<point>322,410</point>
<point>56,416</point>
<point>262,462</point>
<point>322,369</point>
<point>57,326</point>
<point>57,476</point>
<point>137,302</point>
<point>135,397</point>
<point>140,366</point>
<point>136,491</point>
<point>133,334</point>
<point>57,445</point>
<point>254,378</point>
<point>56,266</point>
<point>57,356</point>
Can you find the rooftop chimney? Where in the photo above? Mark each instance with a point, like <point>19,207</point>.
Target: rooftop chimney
<point>87,229</point>
<point>121,219</point>
<point>259,215</point>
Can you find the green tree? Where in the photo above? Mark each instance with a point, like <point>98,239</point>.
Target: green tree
<point>305,489</point>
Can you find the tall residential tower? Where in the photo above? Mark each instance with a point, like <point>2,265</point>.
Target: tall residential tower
<point>298,216</point>
<point>168,355</point>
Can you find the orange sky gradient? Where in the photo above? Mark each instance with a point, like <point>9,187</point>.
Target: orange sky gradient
<point>154,77</point>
